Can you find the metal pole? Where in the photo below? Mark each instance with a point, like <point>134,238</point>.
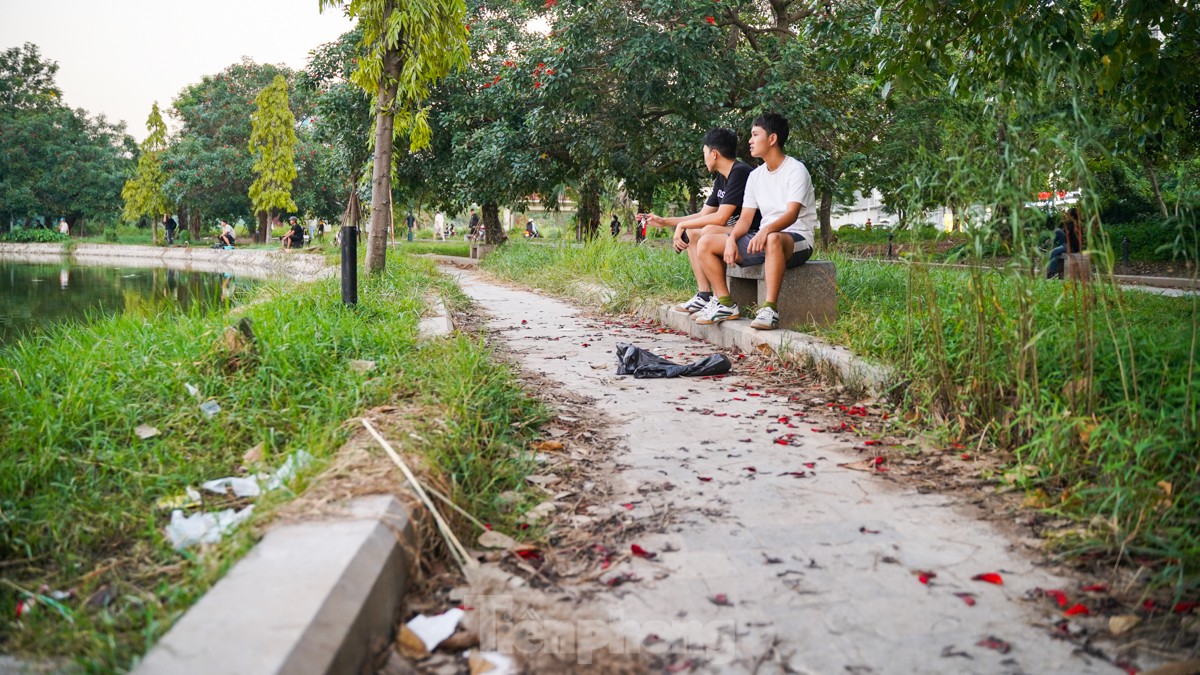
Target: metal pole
<point>1125,253</point>
<point>349,265</point>
<point>889,255</point>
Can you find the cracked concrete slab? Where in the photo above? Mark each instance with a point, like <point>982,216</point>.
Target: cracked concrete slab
<point>770,572</point>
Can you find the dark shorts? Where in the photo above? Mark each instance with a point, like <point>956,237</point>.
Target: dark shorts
<point>799,257</point>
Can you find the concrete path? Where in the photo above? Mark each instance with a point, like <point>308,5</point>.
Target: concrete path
<point>764,570</point>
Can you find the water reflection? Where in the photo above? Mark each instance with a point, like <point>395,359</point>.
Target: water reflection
<point>29,298</point>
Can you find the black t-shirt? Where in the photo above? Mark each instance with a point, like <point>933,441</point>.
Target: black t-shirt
<point>731,190</point>
<point>297,233</point>
<point>170,224</point>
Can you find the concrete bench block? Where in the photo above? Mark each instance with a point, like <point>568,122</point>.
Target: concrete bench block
<point>1077,267</point>
<point>479,251</point>
<point>312,598</point>
<point>808,295</point>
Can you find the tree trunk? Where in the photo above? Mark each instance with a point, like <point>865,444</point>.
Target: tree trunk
<point>154,227</point>
<point>195,220</point>
<point>262,226</point>
<point>493,230</point>
<point>823,213</point>
<point>381,176</point>
<point>1150,173</point>
<point>587,217</point>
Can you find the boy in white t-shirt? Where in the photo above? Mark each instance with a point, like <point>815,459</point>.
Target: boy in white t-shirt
<point>781,192</point>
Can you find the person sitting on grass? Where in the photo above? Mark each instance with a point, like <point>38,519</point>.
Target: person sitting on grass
<point>226,237</point>
<point>295,236</point>
<point>720,212</point>
<point>1066,240</point>
<point>780,193</point>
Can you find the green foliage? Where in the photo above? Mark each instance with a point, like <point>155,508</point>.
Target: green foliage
<point>78,488</point>
<point>34,235</point>
<point>54,160</point>
<point>1154,239</point>
<point>143,193</point>
<point>208,167</point>
<point>273,145</point>
<point>407,47</point>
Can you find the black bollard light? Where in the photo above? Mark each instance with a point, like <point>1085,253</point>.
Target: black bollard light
<point>1125,253</point>
<point>350,265</point>
<point>889,255</point>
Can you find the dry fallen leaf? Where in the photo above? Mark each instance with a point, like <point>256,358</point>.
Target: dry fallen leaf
<point>253,455</point>
<point>491,539</point>
<point>1122,623</point>
<point>548,446</point>
<point>145,431</point>
<point>410,645</point>
<point>360,366</point>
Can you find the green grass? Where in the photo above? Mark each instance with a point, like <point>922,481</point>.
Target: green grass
<point>78,488</point>
<point>461,249</point>
<point>1095,386</point>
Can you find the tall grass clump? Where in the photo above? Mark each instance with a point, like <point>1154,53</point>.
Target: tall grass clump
<point>78,488</point>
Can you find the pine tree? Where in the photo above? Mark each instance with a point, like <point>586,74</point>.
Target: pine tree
<point>273,144</point>
<point>143,193</point>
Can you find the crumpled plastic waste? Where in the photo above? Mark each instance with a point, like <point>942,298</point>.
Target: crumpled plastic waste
<point>242,487</point>
<point>203,528</point>
<point>640,363</point>
<point>208,528</point>
<point>433,630</point>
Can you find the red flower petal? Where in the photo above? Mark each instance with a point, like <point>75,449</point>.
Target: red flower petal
<point>1077,609</point>
<point>1185,607</point>
<point>752,469</point>
<point>996,643</point>
<point>628,506</point>
<point>990,577</point>
<point>1059,597</point>
<point>641,552</point>
<point>705,479</point>
<point>1095,588</point>
<point>711,21</point>
<point>968,598</point>
<point>865,530</point>
<point>720,599</point>
<point>924,576</point>
<point>870,442</point>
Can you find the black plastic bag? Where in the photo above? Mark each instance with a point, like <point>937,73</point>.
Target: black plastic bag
<point>640,363</point>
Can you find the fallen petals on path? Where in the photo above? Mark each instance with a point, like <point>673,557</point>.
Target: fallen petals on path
<point>721,600</point>
<point>1077,610</point>
<point>865,530</point>
<point>993,642</point>
<point>622,579</point>
<point>1058,596</point>
<point>642,553</point>
<point>989,577</point>
<point>705,479</point>
<point>968,598</point>
<point>1185,607</point>
<point>924,576</point>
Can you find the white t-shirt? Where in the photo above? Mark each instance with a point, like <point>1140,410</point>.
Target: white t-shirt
<point>771,191</point>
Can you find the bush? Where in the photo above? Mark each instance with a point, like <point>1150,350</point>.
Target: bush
<point>1154,239</point>
<point>34,236</point>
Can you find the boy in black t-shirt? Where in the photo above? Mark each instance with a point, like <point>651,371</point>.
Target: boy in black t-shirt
<point>719,214</point>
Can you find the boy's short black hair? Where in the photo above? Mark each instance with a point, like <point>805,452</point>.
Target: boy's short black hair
<point>773,123</point>
<point>723,141</point>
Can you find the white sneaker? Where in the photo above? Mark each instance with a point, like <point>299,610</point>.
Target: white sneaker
<point>716,313</point>
<point>766,319</point>
<point>708,306</point>
<point>692,306</point>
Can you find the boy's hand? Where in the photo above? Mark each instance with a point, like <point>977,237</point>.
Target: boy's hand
<point>652,220</point>
<point>680,244</point>
<point>758,242</point>
<point>731,251</point>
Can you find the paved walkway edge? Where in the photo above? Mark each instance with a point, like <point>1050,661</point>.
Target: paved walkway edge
<point>833,362</point>
<point>244,262</point>
<point>310,598</point>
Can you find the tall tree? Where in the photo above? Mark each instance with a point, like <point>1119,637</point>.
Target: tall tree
<point>409,46</point>
<point>273,146</point>
<point>143,193</point>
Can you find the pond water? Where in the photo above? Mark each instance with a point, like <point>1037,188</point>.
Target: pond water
<point>33,296</point>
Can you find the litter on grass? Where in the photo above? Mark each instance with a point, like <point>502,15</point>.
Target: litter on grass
<point>432,630</point>
<point>203,528</point>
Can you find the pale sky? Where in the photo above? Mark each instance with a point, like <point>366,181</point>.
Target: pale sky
<point>118,57</point>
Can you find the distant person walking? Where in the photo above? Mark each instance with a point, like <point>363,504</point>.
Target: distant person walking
<point>473,226</point>
<point>439,226</point>
<point>63,227</point>
<point>170,226</point>
<point>615,226</point>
